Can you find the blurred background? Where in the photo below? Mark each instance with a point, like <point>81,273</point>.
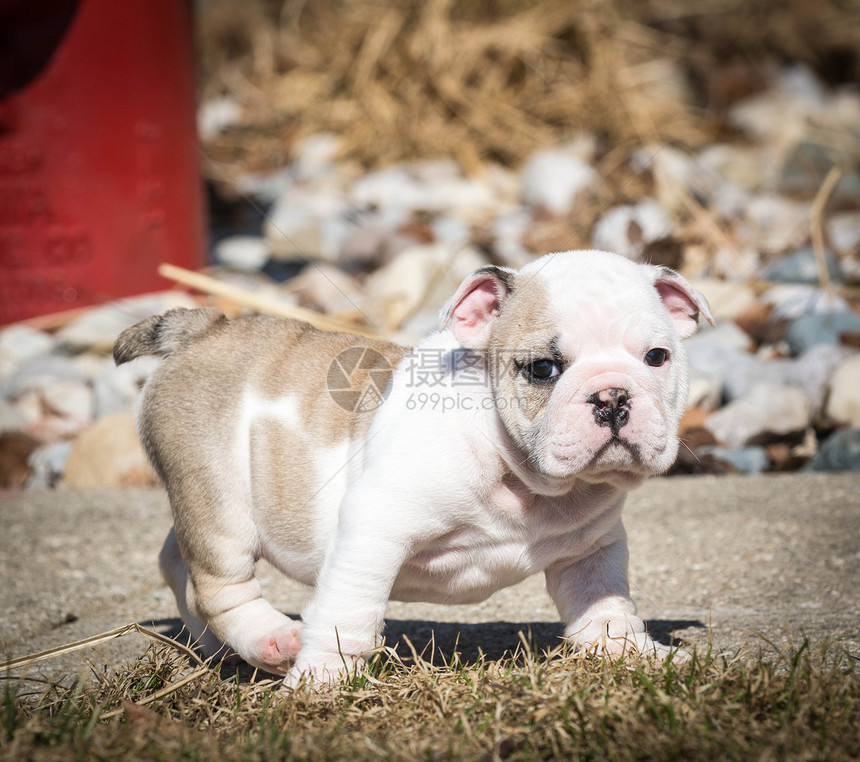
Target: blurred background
<point>350,162</point>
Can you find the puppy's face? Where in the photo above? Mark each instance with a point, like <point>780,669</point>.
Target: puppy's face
<point>587,365</point>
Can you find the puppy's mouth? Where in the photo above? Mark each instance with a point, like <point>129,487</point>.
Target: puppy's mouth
<point>616,442</point>
<point>618,462</point>
<point>617,459</point>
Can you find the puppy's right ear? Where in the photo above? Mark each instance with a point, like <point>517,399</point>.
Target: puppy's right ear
<point>476,304</point>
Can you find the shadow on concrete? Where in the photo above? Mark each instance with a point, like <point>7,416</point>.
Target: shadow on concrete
<point>496,640</point>
<point>437,642</point>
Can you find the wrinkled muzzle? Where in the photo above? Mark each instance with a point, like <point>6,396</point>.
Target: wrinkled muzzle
<point>609,424</point>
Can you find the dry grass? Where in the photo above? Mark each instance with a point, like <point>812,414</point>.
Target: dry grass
<point>497,79</point>
<point>794,705</point>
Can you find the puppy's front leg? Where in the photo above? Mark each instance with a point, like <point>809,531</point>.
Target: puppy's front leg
<point>593,598</point>
<point>346,616</point>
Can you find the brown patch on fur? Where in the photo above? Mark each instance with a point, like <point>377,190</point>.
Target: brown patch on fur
<point>523,332</point>
<point>189,424</point>
<point>283,484</point>
<point>302,366</point>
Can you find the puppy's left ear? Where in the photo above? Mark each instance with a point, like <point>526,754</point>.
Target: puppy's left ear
<point>476,304</point>
<point>683,302</point>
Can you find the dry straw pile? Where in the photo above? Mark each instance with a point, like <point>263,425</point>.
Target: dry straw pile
<point>496,79</point>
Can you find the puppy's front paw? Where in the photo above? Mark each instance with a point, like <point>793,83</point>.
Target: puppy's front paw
<point>624,637</point>
<point>320,671</point>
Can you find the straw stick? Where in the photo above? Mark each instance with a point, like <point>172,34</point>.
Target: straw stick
<point>244,298</point>
<point>816,214</point>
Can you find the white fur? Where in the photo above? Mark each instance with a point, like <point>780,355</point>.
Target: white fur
<point>447,500</point>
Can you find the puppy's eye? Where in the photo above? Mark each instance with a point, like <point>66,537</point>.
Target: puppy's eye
<point>541,370</point>
<point>656,357</point>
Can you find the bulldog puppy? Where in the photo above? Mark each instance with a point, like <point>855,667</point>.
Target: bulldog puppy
<point>502,446</point>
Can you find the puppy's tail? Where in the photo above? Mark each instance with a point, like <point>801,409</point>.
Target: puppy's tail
<point>162,334</point>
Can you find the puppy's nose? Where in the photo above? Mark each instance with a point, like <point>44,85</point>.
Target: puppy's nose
<point>611,407</point>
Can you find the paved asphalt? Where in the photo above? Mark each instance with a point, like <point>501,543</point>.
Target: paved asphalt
<point>734,561</point>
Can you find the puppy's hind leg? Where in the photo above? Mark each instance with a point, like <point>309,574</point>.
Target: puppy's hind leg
<point>223,592</point>
<point>175,574</point>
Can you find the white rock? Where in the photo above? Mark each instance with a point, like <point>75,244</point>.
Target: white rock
<point>720,354</point>
<point>797,106</point>
<point>92,365</point>
<point>434,186</point>
<point>851,268</point>
<point>727,299</point>
<point>506,232</point>
<point>38,373</point>
<point>54,394</point>
<point>729,202</point>
<point>809,372</point>
<point>705,391</point>
<point>451,233</point>
<point>843,109</point>
<point>316,155</point>
<point>766,412</point>
<point>843,401</point>
<point>730,262</point>
<point>718,361</point>
<point>373,240</point>
<point>29,408</point>
<point>673,171</point>
<point>47,465</point>
<point>740,167</point>
<point>504,184</point>
<point>843,231</point>
<point>628,228</point>
<point>248,252</point>
<point>307,222</point>
<point>554,179</point>
<point>118,387</point>
<point>726,335</point>
<point>773,224</point>
<point>794,300</point>
<point>96,330</point>
<point>51,428</point>
<point>20,343</point>
<point>11,418</point>
<point>393,188</point>
<point>267,186</point>
<point>72,400</point>
<point>326,288</point>
<point>214,116</point>
<point>421,279</point>
<point>782,113</point>
<point>800,83</point>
